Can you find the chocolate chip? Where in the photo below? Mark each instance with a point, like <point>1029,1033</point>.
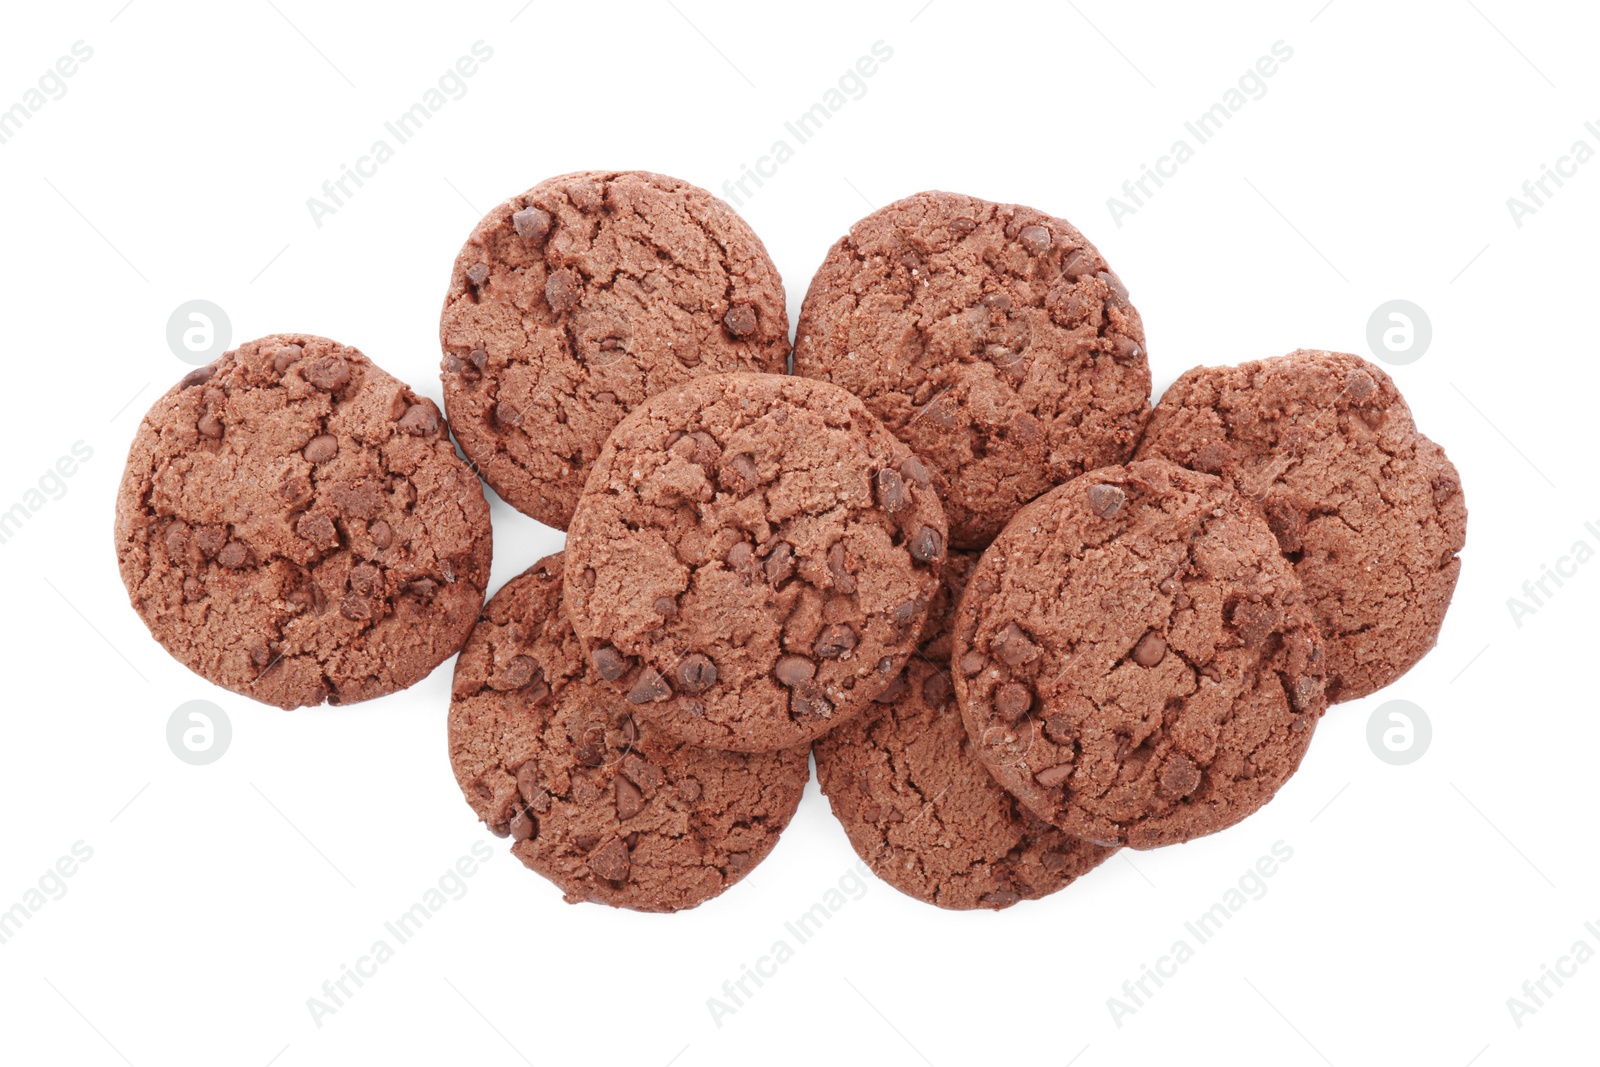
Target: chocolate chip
<point>1000,898</point>
<point>739,475</point>
<point>209,425</point>
<point>1360,384</point>
<point>355,607</point>
<point>962,226</point>
<point>422,588</point>
<point>1051,777</point>
<point>997,301</point>
<point>478,273</point>
<point>916,472</point>
<point>896,689</point>
<point>321,448</point>
<point>1119,290</point>
<point>1150,650</point>
<point>907,613</point>
<point>285,357</point>
<point>610,663</point>
<point>590,749</point>
<point>1080,263</point>
<point>927,545</point>
<point>1106,500</point>
<point>561,289</point>
<point>198,376</point>
<point>666,607</point>
<point>696,673</point>
<point>793,670</point>
<point>210,539</point>
<point>972,661</point>
<point>532,224</point>
<point>780,562</point>
<point>630,801</point>
<point>506,414</point>
<point>1012,645</point>
<point>738,556</point>
<point>650,687</point>
<point>740,320</point>
<point>260,653</point>
<point>419,420</point>
<point>382,534</point>
<point>611,862</point>
<point>176,537</point>
<point>524,827</point>
<point>642,773</point>
<point>843,580</point>
<point>295,490</point>
<point>1254,622</point>
<point>233,555</point>
<point>835,641</point>
<point>1058,728</point>
<point>328,373</point>
<point>317,528</point>
<point>808,702</point>
<point>892,495</point>
<point>1179,775</point>
<point>1036,239</point>
<point>936,689</point>
<point>519,672</point>
<point>1012,701</point>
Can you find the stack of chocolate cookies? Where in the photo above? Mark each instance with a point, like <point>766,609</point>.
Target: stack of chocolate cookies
<point>1019,618</point>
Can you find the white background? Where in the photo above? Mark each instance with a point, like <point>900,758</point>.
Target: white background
<point>1376,166</point>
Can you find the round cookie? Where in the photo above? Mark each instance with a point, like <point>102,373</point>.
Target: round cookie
<point>1368,510</point>
<point>294,525</point>
<point>606,808</point>
<point>991,338</point>
<point>1134,658</point>
<point>572,303</point>
<point>921,809</point>
<point>752,559</point>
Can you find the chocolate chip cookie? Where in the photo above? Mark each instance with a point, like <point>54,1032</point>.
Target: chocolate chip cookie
<point>1134,658</point>
<point>1368,510</point>
<point>573,302</point>
<point>605,807</point>
<point>991,338</point>
<point>921,809</point>
<point>752,559</point>
<point>293,524</point>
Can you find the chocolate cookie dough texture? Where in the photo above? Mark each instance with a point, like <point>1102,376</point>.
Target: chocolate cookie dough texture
<point>293,524</point>
<point>597,801</point>
<point>1134,658</point>
<point>572,303</point>
<point>1369,511</point>
<point>991,338</point>
<point>920,807</point>
<point>752,560</point>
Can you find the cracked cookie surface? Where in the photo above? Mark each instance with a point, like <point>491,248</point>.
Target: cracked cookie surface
<point>293,524</point>
<point>752,559</point>
<point>573,302</point>
<point>1369,511</point>
<point>608,809</point>
<point>991,338</point>
<point>1134,658</point>
<point>918,805</point>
